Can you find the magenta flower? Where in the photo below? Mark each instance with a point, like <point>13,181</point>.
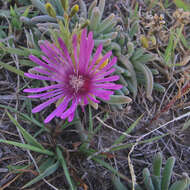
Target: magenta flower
<point>75,80</point>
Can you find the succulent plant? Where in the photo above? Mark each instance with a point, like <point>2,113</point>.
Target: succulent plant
<point>44,17</point>
<point>104,29</point>
<point>134,56</point>
<point>159,179</point>
<point>122,41</point>
<point>52,19</point>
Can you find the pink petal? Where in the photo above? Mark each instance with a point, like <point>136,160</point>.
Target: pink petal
<point>39,77</point>
<point>83,49</point>
<point>57,111</point>
<point>109,86</point>
<point>85,100</point>
<point>42,71</point>
<point>49,52</point>
<point>93,99</point>
<point>71,116</point>
<point>70,110</point>
<point>31,90</point>
<point>96,56</point>
<point>65,50</point>
<point>52,95</point>
<point>106,56</point>
<point>63,106</point>
<point>43,94</point>
<point>45,104</point>
<point>108,79</point>
<point>108,66</point>
<point>59,54</point>
<point>50,63</point>
<point>90,46</point>
<point>98,76</point>
<point>104,94</point>
<point>41,63</point>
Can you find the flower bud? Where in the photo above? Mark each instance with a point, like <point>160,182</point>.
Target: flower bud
<point>144,41</point>
<point>50,10</point>
<point>74,10</point>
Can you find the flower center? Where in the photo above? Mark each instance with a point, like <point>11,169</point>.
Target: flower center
<point>76,82</point>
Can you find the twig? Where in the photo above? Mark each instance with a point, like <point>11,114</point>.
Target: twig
<point>141,137</point>
<point>108,126</point>
<point>181,93</point>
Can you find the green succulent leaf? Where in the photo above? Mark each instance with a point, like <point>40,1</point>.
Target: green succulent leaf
<point>147,179</point>
<point>39,5</point>
<point>118,99</point>
<point>118,185</point>
<point>149,81</point>
<point>91,7</point>
<point>95,19</point>
<point>167,173</point>
<point>83,9</point>
<point>101,6</point>
<point>180,185</point>
<point>157,165</point>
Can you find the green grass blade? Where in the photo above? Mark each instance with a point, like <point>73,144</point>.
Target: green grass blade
<point>28,147</point>
<point>12,69</point>
<point>90,119</point>
<point>25,62</point>
<point>13,50</point>
<point>24,116</point>
<point>45,163</point>
<point>128,131</point>
<point>169,49</point>
<point>46,173</point>
<point>184,41</point>
<point>15,169</point>
<point>66,171</point>
<point>29,51</point>
<point>90,151</point>
<point>22,51</point>
<point>29,139</point>
<point>119,147</point>
<point>106,165</point>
